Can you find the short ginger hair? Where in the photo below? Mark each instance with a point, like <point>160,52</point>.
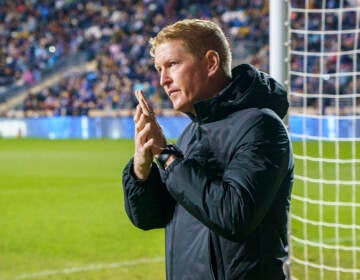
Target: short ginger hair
<point>198,36</point>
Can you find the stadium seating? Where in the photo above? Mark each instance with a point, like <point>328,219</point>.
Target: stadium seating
<point>36,36</point>
<point>43,32</point>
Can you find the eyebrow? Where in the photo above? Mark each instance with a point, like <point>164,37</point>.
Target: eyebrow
<point>157,66</point>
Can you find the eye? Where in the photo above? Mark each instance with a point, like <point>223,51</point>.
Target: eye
<point>158,69</point>
<point>173,63</point>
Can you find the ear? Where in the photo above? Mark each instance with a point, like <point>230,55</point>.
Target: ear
<point>213,62</point>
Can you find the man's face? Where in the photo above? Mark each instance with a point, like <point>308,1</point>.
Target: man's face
<point>183,76</point>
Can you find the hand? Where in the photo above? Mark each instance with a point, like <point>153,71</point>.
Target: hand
<point>149,138</point>
<point>143,156</point>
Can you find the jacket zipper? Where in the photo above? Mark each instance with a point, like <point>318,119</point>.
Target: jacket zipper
<point>209,258</point>
<point>172,247</point>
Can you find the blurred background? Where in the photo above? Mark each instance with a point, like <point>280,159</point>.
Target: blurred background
<point>96,53</point>
<point>68,70</point>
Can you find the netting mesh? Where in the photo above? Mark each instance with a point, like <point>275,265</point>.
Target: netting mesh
<point>324,82</point>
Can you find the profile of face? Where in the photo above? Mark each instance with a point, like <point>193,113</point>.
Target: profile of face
<point>183,76</point>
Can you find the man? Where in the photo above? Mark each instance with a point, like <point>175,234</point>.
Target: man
<point>223,193</point>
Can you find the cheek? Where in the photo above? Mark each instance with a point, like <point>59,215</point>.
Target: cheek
<point>196,81</point>
<point>191,81</point>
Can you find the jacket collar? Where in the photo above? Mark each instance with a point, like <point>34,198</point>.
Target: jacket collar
<point>249,88</point>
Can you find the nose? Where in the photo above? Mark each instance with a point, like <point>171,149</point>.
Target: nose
<point>165,79</point>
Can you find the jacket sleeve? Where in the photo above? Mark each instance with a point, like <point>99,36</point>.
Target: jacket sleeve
<point>147,202</point>
<point>234,205</point>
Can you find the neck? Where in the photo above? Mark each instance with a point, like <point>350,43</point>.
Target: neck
<point>214,87</point>
<point>220,82</point>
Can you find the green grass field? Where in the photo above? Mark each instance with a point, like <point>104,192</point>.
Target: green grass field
<point>62,213</point>
<point>327,246</point>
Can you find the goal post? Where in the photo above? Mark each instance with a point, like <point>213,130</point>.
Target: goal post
<point>278,40</point>
<point>321,48</point>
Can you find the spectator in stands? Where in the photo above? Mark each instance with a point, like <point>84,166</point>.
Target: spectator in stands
<point>117,37</point>
<point>306,72</point>
<point>223,193</point>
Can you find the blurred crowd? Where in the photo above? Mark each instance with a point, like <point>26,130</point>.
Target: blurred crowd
<point>323,59</point>
<point>35,34</point>
<point>116,34</point>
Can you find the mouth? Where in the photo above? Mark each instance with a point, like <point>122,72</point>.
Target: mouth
<point>172,92</point>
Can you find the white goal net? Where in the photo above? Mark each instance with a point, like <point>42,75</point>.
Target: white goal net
<point>324,86</point>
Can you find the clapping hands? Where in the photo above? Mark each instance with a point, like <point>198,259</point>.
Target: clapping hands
<point>149,137</point>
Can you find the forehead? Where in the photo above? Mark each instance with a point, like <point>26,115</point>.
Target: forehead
<point>171,49</point>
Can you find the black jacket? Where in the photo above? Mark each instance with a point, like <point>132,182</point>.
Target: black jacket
<point>224,205</point>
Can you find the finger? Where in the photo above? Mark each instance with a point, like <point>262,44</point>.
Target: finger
<point>142,135</point>
<point>141,122</point>
<point>149,144</point>
<point>144,101</point>
<point>146,108</point>
<point>145,105</point>
<point>140,139</point>
<point>137,95</point>
<point>140,98</point>
<point>138,113</point>
<point>150,115</point>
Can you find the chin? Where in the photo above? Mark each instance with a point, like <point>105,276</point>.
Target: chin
<point>183,108</point>
<point>180,109</point>
<point>177,107</point>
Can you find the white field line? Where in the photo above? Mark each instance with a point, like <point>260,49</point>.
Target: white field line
<point>89,267</point>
